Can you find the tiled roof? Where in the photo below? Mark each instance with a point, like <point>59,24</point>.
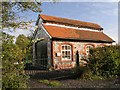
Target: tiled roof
<point>70,22</point>
<point>74,34</point>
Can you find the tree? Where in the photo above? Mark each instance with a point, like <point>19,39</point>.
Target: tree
<point>13,75</point>
<point>22,41</point>
<point>25,44</point>
<point>11,9</point>
<point>13,54</point>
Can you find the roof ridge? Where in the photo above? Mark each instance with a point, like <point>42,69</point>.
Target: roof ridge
<point>69,21</point>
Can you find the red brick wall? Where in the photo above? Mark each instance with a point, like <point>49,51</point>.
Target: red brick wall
<point>80,46</point>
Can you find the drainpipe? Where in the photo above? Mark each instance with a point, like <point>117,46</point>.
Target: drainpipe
<point>77,59</point>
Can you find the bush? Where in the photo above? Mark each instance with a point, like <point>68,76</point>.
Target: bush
<point>13,75</point>
<point>25,44</point>
<point>105,61</point>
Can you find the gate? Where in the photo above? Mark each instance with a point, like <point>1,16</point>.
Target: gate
<point>41,63</point>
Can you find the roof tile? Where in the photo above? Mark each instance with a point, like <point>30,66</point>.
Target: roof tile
<point>70,22</point>
<point>69,33</point>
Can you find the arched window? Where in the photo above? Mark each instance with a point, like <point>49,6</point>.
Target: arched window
<point>66,52</point>
<point>88,47</point>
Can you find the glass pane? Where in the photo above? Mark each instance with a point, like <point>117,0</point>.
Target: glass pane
<point>68,57</point>
<point>68,53</point>
<point>87,51</point>
<point>65,47</point>
<point>65,56</point>
<point>63,53</point>
<point>68,47</point>
<point>62,47</point>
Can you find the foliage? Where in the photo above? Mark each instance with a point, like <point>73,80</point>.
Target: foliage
<point>88,75</point>
<point>11,9</point>
<point>11,12</point>
<point>22,41</point>
<point>13,75</point>
<point>51,83</point>
<point>78,71</point>
<point>25,44</point>
<point>105,61</point>
<point>82,72</point>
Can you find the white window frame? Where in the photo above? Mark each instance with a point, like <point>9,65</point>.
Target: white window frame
<point>70,50</point>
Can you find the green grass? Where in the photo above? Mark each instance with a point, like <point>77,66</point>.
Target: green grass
<point>51,83</point>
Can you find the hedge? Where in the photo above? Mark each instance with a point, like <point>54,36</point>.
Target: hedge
<point>105,61</point>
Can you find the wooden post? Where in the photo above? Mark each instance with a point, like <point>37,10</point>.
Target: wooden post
<point>77,59</point>
<point>34,54</point>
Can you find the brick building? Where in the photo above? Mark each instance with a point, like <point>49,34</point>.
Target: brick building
<point>61,38</point>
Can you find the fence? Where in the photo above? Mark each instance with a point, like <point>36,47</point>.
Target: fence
<point>39,64</point>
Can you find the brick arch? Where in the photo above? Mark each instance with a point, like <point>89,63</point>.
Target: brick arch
<point>86,46</point>
<point>68,43</point>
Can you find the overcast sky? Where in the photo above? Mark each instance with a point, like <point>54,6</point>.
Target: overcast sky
<point>102,13</point>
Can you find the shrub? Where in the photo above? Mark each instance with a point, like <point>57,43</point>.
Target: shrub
<point>105,61</point>
<point>25,44</point>
<point>13,75</point>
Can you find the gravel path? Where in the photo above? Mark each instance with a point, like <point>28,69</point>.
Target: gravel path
<point>69,81</point>
<point>90,84</point>
<point>110,83</point>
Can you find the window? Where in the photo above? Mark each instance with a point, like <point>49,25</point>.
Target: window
<point>66,52</point>
<point>88,47</point>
